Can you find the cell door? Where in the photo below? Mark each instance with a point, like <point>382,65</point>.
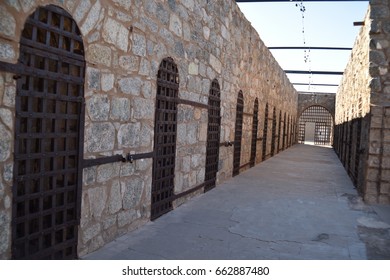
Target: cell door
<point>238,134</point>
<point>213,135</point>
<point>48,137</point>
<point>265,133</point>
<point>255,125</point>
<point>273,142</point>
<point>165,138</point>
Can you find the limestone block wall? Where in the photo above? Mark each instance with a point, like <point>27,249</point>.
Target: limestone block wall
<point>362,106</point>
<point>124,44</point>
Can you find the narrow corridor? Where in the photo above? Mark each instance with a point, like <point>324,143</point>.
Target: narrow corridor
<point>299,204</point>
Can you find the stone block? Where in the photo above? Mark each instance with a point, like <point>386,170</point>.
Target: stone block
<point>126,4</point>
<point>93,78</point>
<point>120,109</point>
<point>90,232</point>
<point>97,201</point>
<point>139,44</point>
<point>98,107</point>
<point>192,133</point>
<point>126,217</point>
<point>115,33</point>
<point>5,143</point>
<point>7,23</point>
<point>100,137</point>
<point>143,109</point>
<point>128,135</point>
<point>98,54</point>
<point>106,172</point>
<point>175,25</point>
<point>8,172</point>
<point>92,18</point>
<point>9,96</point>
<point>130,85</point>
<point>130,63</point>
<point>5,232</point>
<point>7,117</point>
<point>89,175</point>
<point>115,198</point>
<point>144,68</point>
<point>131,192</point>
<point>146,135</point>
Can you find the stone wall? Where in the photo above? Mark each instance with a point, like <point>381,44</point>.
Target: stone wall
<point>325,100</point>
<point>124,43</point>
<point>363,101</point>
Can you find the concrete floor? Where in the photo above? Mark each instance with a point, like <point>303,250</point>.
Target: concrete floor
<point>299,204</point>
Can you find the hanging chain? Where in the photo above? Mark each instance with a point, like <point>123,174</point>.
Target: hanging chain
<point>306,53</point>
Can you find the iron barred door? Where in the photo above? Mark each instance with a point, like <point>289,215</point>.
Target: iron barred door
<point>238,134</point>
<point>265,133</point>
<point>165,138</point>
<point>255,125</point>
<point>213,132</point>
<point>49,127</point>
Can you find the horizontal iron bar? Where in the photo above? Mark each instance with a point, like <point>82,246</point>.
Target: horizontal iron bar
<point>131,157</point>
<point>313,72</point>
<point>311,92</point>
<point>104,160</point>
<point>194,189</point>
<point>311,48</point>
<point>243,1</point>
<point>192,103</point>
<point>324,85</point>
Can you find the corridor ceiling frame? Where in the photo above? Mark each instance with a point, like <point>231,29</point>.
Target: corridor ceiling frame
<point>318,72</point>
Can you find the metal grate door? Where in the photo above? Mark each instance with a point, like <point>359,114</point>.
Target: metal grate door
<point>49,127</point>
<point>323,125</point>
<point>165,138</point>
<point>273,142</point>
<point>213,132</point>
<point>255,125</point>
<point>238,134</point>
<point>265,133</point>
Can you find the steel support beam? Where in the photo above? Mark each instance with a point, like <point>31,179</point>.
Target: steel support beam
<point>323,85</point>
<point>310,48</point>
<point>254,1</point>
<point>313,72</point>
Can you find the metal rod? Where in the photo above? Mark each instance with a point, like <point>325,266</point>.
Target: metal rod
<point>313,72</point>
<point>324,85</point>
<point>311,92</point>
<point>254,1</point>
<point>311,48</point>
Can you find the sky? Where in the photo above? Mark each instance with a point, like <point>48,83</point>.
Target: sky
<point>325,24</point>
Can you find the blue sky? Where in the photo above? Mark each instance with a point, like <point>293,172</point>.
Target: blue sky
<point>326,24</point>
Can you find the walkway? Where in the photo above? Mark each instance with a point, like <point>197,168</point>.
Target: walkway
<point>299,204</point>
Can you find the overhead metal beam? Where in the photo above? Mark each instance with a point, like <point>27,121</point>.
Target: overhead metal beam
<point>313,72</point>
<point>323,85</point>
<point>311,48</point>
<point>243,1</point>
<point>311,92</point>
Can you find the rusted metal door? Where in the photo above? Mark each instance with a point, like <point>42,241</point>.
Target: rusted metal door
<point>265,133</point>
<point>213,135</point>
<point>255,125</point>
<point>238,134</point>
<point>49,127</point>
<point>273,142</point>
<point>165,138</point>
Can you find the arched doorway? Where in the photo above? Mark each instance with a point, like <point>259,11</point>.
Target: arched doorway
<point>238,133</point>
<point>316,126</point>
<point>49,126</point>
<point>165,129</point>
<point>213,135</point>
